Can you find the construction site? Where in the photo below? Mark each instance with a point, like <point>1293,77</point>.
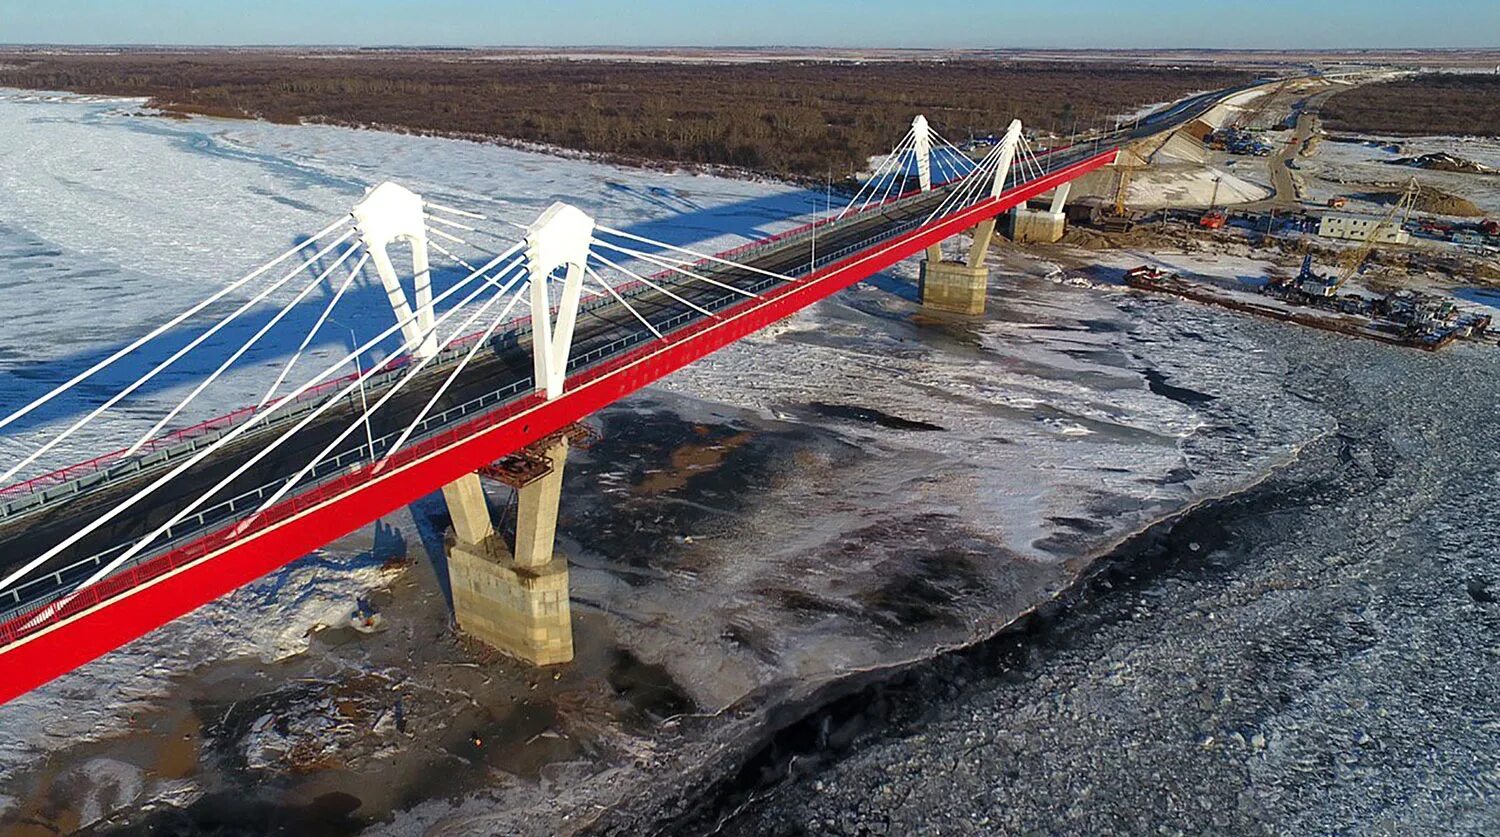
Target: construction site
<point>1255,207</point>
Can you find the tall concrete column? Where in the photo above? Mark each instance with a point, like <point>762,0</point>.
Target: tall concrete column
<point>514,600</point>
<point>1060,198</point>
<point>472,524</point>
<point>536,511</point>
<point>984,235</point>
<point>1041,226</point>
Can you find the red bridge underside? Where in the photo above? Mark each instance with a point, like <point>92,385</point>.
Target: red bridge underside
<point>135,602</point>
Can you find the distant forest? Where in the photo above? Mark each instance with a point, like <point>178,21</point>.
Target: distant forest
<point>789,119</point>
<point>1436,104</point>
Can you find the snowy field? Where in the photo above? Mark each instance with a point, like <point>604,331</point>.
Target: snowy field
<point>1345,168</point>
<point>1069,418</point>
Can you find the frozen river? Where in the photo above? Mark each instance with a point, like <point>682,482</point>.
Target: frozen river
<point>853,488</point>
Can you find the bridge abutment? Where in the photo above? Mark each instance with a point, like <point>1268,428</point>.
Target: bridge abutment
<point>514,600</point>
<point>1036,226</point>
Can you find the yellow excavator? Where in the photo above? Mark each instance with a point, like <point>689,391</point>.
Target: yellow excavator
<point>1114,217</point>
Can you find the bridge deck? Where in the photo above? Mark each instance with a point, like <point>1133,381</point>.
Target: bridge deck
<point>497,376</point>
<point>490,412</point>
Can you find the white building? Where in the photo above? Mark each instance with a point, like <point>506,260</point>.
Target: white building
<point>1355,228</point>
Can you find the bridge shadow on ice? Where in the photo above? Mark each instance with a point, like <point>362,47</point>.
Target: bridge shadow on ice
<point>364,310</point>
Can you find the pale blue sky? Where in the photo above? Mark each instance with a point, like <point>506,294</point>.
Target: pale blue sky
<point>876,23</point>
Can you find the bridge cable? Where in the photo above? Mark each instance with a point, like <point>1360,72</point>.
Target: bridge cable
<point>960,195</point>
<point>463,213</point>
<point>879,173</point>
<point>176,356</point>
<point>875,176</point>
<point>970,192</point>
<point>896,162</point>
<point>452,376</point>
<point>409,376</point>
<point>957,154</point>
<point>183,513</point>
<point>240,352</point>
<point>659,262</point>
<point>684,251</point>
<point>441,249</point>
<point>612,292</point>
<point>898,175</point>
<point>453,238</point>
<point>317,326</point>
<point>942,168</point>
<point>648,283</point>
<point>172,323</point>
<point>234,434</point>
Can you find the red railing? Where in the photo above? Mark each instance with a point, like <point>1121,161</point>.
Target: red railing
<point>71,472</point>
<point>39,616</point>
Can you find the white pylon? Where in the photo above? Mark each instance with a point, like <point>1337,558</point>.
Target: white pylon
<point>392,213</point>
<point>922,148</point>
<point>558,239</point>
<point>1008,147</point>
<point>1060,198</point>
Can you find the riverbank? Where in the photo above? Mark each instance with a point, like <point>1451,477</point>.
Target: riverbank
<point>1316,655</point>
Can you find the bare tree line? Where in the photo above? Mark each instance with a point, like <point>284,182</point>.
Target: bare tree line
<point>1434,104</point>
<point>790,119</point>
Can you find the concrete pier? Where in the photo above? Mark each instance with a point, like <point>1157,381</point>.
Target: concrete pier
<point>953,286</point>
<point>514,600</point>
<point>1031,225</point>
<point>1036,225</point>
<point>957,287</point>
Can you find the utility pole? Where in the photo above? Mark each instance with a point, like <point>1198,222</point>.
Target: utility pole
<point>812,260</point>
<point>359,374</point>
<point>828,193</point>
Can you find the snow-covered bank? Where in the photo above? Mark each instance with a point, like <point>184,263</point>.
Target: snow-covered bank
<point>1317,656</point>
<point>1354,170</point>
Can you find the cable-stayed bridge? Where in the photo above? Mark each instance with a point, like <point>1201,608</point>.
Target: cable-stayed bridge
<point>549,323</point>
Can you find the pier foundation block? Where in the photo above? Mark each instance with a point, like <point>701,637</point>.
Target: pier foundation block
<point>514,600</point>
<point>1035,225</point>
<point>954,287</point>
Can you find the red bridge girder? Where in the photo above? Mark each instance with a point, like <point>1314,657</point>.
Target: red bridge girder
<point>135,602</point>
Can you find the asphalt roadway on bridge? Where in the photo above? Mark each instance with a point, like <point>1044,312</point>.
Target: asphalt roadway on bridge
<point>28,534</point>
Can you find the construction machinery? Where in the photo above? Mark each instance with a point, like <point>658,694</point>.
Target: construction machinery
<point>1115,217</point>
<point>1214,218</point>
<point>1313,284</point>
<point>1354,261</point>
<point>1122,188</point>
